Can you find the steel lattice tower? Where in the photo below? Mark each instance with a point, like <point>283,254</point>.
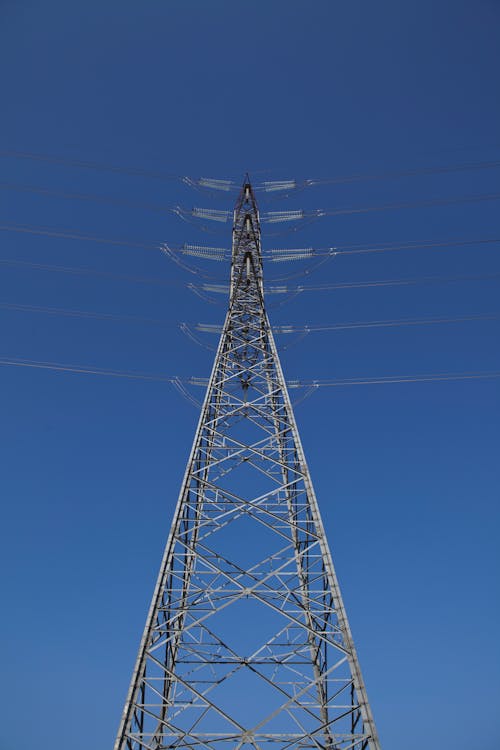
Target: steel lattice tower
<point>247,643</point>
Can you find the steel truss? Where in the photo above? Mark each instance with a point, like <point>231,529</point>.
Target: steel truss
<point>247,643</point>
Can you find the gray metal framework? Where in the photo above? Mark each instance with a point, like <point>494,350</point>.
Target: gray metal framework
<point>247,643</point>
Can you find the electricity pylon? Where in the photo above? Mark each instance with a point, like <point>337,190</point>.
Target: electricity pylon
<point>247,643</point>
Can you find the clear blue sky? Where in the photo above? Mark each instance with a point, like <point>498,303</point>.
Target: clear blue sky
<point>407,475</point>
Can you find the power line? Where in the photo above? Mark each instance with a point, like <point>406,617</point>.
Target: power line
<point>81,164</point>
<point>231,184</point>
<point>73,235</point>
<point>223,288</point>
<point>223,216</point>
<point>383,283</point>
<point>409,204</point>
<point>272,254</point>
<point>216,328</point>
<point>299,215</point>
<point>285,329</point>
<point>358,285</point>
<point>91,272</point>
<point>474,166</point>
<point>197,381</point>
<point>386,380</point>
<point>107,199</point>
<point>396,246</point>
<point>87,314</point>
<point>197,182</point>
<point>85,370</point>
<point>295,290</point>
